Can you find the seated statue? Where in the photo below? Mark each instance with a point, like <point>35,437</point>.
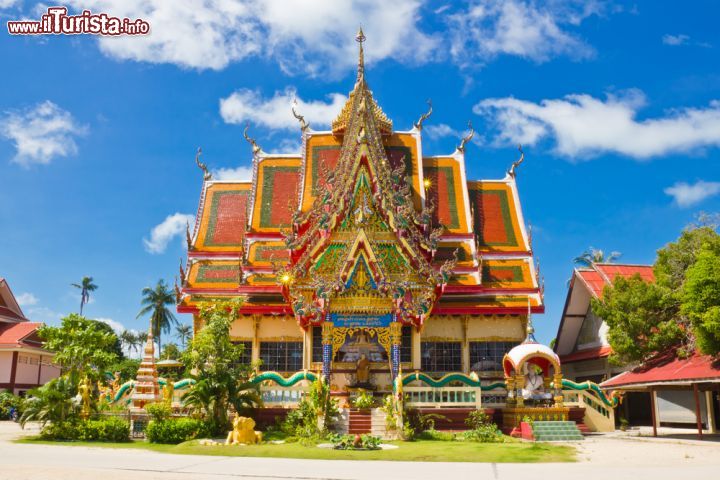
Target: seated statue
<point>243,432</point>
<point>362,372</point>
<point>534,388</point>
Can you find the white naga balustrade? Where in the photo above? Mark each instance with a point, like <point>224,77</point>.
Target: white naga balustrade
<point>277,396</point>
<point>443,396</point>
<point>598,417</point>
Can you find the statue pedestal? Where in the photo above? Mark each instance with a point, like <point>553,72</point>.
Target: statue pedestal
<point>513,416</point>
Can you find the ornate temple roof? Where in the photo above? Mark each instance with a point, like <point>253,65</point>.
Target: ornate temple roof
<point>296,215</point>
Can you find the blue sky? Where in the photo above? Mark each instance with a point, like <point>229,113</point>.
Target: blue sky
<point>617,105</point>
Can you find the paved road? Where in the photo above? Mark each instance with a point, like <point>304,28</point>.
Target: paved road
<point>600,458</point>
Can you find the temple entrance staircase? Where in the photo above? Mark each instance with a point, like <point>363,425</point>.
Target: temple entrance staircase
<point>357,422</point>
<point>556,431</point>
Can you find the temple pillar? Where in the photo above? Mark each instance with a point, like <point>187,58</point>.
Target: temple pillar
<point>519,385</point>
<point>255,353</point>
<point>416,350</point>
<point>465,346</point>
<point>327,328</point>
<point>396,341</point>
<point>557,393</point>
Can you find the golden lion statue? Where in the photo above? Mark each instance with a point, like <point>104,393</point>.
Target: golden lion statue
<point>243,432</point>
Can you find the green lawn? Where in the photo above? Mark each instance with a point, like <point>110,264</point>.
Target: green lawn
<point>419,451</point>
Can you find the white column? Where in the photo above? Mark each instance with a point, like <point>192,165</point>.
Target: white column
<point>710,412</point>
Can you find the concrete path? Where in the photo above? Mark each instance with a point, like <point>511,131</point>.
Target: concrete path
<point>600,458</point>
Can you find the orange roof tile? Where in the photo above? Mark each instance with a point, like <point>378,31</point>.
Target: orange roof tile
<point>15,333</point>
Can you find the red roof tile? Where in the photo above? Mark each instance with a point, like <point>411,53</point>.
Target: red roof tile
<point>668,368</point>
<point>589,354</point>
<point>605,273</point>
<point>14,334</point>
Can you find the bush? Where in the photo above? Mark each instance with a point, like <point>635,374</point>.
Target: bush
<point>110,429</point>
<point>482,428</point>
<point>158,411</point>
<point>352,442</point>
<point>175,431</point>
<point>8,401</point>
<point>364,401</point>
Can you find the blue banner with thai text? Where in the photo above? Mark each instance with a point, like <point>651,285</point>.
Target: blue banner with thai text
<point>346,320</point>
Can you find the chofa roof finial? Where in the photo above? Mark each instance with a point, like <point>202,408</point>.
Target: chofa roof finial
<point>202,166</point>
<point>466,138</point>
<point>424,116</point>
<point>303,124</point>
<point>255,147</point>
<point>517,163</point>
<point>360,38</point>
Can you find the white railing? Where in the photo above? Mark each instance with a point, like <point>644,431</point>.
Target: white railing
<point>598,417</point>
<point>277,396</point>
<point>443,397</point>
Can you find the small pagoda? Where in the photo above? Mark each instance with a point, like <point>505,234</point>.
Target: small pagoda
<point>147,388</point>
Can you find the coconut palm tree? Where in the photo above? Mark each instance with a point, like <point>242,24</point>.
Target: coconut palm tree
<point>128,340</point>
<point>183,332</point>
<point>155,301</point>
<point>595,255</point>
<point>86,286</point>
<point>140,340</point>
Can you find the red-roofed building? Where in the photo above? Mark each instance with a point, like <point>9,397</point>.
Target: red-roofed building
<point>581,341</point>
<point>24,363</point>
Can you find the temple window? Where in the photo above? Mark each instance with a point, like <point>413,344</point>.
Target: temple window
<point>317,349</point>
<point>441,356</point>
<point>488,356</point>
<point>246,356</point>
<point>281,356</point>
<point>406,345</point>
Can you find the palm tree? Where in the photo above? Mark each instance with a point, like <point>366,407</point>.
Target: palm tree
<point>184,332</point>
<point>140,340</point>
<point>86,286</point>
<point>128,340</point>
<point>595,255</point>
<point>155,301</point>
<point>54,402</point>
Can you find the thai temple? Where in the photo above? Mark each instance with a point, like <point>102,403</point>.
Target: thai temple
<point>364,249</point>
<point>367,263</point>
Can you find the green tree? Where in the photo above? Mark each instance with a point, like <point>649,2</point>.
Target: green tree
<point>701,298</point>
<point>128,340</point>
<point>117,346</point>
<point>680,310</point>
<point>82,346</point>
<point>86,286</point>
<point>170,352</point>
<point>183,332</point>
<point>155,301</point>
<point>222,380</point>
<point>126,368</point>
<point>54,402</point>
<point>595,255</point>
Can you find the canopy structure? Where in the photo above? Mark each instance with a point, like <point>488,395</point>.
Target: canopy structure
<point>535,353</point>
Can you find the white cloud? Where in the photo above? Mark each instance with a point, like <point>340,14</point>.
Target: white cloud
<point>489,28</point>
<point>116,326</point>
<point>8,3</point>
<point>41,133</point>
<point>43,314</point>
<point>309,36</point>
<point>443,130</point>
<point>162,234</point>
<point>582,125</point>
<point>686,195</point>
<point>275,112</point>
<point>675,40</point>
<point>26,299</point>
<point>243,174</point>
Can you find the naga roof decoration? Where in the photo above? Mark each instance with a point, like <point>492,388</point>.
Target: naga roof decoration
<point>360,222</point>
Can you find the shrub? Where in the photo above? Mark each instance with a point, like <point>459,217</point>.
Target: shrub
<point>175,431</point>
<point>8,401</point>
<point>158,411</point>
<point>351,442</point>
<point>364,401</point>
<point>482,428</point>
<point>110,429</point>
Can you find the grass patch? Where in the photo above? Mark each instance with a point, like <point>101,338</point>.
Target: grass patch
<point>418,451</point>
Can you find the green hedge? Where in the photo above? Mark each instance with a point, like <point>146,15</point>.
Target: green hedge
<point>175,430</point>
<point>111,429</point>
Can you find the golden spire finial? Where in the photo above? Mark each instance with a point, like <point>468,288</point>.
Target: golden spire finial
<point>360,38</point>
